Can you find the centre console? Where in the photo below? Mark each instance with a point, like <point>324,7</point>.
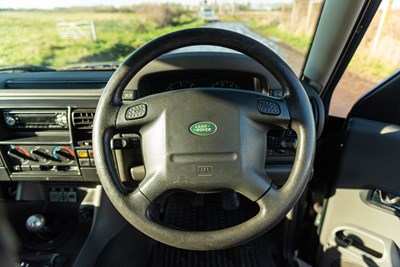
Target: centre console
<point>47,145</point>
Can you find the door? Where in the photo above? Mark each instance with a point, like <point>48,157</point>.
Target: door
<point>361,218</point>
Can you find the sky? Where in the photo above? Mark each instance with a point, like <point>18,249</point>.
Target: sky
<point>50,4</point>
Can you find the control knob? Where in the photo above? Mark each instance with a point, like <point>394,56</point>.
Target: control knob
<point>10,121</point>
<point>19,153</point>
<point>63,154</point>
<point>61,119</point>
<point>42,155</point>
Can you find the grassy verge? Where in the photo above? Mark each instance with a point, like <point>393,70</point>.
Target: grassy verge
<point>300,42</point>
<point>371,68</point>
<point>32,37</point>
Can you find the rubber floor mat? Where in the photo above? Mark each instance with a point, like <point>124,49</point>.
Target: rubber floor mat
<point>131,248</point>
<point>166,256</point>
<point>204,214</point>
<point>183,213</point>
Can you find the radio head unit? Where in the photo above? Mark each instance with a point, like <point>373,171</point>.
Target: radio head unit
<point>36,119</point>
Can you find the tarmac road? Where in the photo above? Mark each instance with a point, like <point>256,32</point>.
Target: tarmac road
<point>291,56</point>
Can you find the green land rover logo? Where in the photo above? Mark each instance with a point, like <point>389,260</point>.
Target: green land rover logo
<point>203,128</point>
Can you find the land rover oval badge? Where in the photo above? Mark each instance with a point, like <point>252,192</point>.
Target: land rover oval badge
<point>203,128</point>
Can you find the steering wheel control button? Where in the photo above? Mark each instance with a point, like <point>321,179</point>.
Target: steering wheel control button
<point>129,95</point>
<point>268,107</point>
<point>203,128</point>
<point>136,112</point>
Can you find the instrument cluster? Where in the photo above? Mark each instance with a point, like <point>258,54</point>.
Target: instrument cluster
<point>176,80</point>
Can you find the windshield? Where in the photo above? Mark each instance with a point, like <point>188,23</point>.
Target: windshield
<point>65,34</point>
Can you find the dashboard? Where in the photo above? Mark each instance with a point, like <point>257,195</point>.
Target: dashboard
<point>46,118</point>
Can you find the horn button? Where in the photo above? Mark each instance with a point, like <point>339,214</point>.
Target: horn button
<point>203,150</point>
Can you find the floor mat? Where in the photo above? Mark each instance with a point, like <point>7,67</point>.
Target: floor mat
<point>205,213</point>
<point>166,256</point>
<point>131,248</point>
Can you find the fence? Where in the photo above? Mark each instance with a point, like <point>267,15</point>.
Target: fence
<point>75,30</point>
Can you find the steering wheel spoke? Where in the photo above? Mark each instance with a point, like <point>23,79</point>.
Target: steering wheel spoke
<point>153,186</point>
<point>254,185</point>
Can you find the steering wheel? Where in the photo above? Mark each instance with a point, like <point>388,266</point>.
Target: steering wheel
<point>204,140</point>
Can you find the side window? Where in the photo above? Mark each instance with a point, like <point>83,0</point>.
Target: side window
<point>376,58</point>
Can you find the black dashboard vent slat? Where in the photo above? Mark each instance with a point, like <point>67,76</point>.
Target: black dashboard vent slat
<point>53,84</point>
<point>82,119</point>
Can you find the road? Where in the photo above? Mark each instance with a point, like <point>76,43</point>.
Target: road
<point>350,88</point>
<point>291,56</point>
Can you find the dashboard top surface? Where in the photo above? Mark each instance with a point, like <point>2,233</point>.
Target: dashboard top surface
<point>77,84</point>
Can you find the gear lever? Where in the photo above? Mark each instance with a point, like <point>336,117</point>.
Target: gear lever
<point>35,223</point>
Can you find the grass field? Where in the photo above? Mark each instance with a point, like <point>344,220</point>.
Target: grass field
<point>32,37</point>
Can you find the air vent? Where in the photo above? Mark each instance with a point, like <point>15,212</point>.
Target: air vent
<point>82,119</point>
<point>53,84</point>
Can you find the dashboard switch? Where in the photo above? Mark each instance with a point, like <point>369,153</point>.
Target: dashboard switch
<point>129,95</point>
<point>16,168</point>
<point>82,153</point>
<point>62,168</point>
<point>289,143</point>
<point>84,162</point>
<point>268,107</point>
<point>35,167</point>
<point>25,167</point>
<point>136,112</point>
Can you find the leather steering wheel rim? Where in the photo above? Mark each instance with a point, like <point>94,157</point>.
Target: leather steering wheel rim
<point>294,111</point>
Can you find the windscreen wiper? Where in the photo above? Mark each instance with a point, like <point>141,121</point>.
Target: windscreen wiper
<point>94,66</point>
<point>25,68</point>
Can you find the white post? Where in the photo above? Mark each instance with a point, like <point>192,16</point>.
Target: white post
<point>382,22</point>
<point>93,31</point>
<point>308,17</point>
